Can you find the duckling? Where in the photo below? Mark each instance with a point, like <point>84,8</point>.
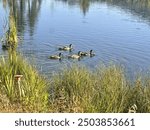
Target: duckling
<point>55,57</point>
<point>75,56</point>
<point>66,48</point>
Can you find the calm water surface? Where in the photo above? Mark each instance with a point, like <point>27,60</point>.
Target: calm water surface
<point>118,32</point>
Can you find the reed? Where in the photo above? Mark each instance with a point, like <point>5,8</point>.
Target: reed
<point>104,90</point>
<point>31,94</point>
<point>75,89</point>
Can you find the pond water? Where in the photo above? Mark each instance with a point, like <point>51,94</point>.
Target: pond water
<point>116,30</point>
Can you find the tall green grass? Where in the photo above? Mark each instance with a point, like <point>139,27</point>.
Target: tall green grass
<point>104,90</point>
<point>32,95</point>
<point>76,89</point>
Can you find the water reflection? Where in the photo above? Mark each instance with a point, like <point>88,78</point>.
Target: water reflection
<point>140,8</point>
<point>84,4</point>
<point>25,12</point>
<point>61,23</point>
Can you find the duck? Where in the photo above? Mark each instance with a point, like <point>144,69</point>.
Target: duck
<point>66,48</point>
<point>75,56</point>
<point>91,54</point>
<point>55,57</point>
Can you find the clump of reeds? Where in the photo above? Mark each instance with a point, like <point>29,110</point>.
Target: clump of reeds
<point>139,94</point>
<point>86,91</point>
<point>76,85</point>
<point>31,93</point>
<point>104,90</point>
<point>75,89</point>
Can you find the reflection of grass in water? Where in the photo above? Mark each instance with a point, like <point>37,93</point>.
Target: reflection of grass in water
<point>72,90</point>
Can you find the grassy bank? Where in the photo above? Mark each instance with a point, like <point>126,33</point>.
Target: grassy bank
<point>76,89</point>
<point>30,95</point>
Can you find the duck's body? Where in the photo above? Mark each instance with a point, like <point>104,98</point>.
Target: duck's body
<point>55,57</point>
<point>75,56</point>
<point>66,48</point>
<point>84,54</point>
<point>91,54</point>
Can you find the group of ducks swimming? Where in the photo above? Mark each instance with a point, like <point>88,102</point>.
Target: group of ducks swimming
<point>73,56</point>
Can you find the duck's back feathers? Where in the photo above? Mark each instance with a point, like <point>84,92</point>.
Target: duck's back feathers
<point>55,56</point>
<point>91,54</point>
<point>75,56</point>
<point>65,48</point>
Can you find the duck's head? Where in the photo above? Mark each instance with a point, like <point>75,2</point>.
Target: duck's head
<point>70,46</point>
<point>91,51</point>
<point>79,53</point>
<point>60,54</point>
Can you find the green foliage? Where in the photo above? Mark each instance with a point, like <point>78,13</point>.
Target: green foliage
<point>32,95</point>
<point>75,89</point>
<point>105,90</point>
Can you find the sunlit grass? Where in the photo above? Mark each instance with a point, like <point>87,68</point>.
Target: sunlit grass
<point>86,91</point>
<point>104,90</point>
<point>32,94</point>
<point>76,89</point>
